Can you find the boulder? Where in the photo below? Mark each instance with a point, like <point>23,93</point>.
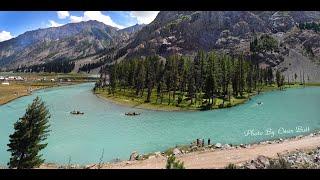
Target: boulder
<point>226,146</point>
<point>134,156</point>
<point>250,166</point>
<point>218,145</point>
<point>157,154</point>
<point>176,151</point>
<point>263,160</point>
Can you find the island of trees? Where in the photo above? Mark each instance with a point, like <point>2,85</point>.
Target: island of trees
<point>210,80</point>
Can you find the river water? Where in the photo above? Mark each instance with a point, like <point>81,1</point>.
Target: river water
<point>105,127</point>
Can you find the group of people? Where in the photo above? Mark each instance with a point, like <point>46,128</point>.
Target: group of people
<point>200,143</point>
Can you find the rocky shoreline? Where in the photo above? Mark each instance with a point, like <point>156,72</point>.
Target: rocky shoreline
<point>307,159</point>
<point>296,159</point>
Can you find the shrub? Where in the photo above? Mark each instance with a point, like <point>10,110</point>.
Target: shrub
<point>279,164</point>
<point>231,166</point>
<point>172,163</point>
<point>221,106</point>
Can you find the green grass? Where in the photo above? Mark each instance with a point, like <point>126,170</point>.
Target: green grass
<point>127,97</point>
<point>18,89</point>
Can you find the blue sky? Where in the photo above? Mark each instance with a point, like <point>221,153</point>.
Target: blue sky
<point>14,23</point>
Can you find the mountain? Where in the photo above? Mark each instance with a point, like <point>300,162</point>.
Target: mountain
<point>186,32</point>
<point>71,41</point>
<point>285,40</point>
<point>132,29</point>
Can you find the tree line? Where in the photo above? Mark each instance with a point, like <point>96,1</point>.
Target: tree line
<point>310,26</point>
<point>207,76</point>
<point>56,66</point>
<point>88,67</point>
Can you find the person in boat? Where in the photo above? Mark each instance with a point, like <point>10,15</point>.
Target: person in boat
<point>76,112</point>
<point>132,114</point>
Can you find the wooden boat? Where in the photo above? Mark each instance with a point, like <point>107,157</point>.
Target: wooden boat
<point>77,112</point>
<point>132,114</point>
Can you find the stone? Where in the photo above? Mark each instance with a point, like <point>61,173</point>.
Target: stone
<point>218,145</point>
<point>152,157</point>
<point>242,145</point>
<point>263,160</point>
<point>176,151</point>
<point>134,156</point>
<point>226,146</point>
<point>194,148</point>
<point>158,153</point>
<point>251,166</point>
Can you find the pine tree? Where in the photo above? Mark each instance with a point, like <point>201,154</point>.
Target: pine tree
<point>278,78</point>
<point>113,78</point>
<point>172,163</point>
<point>160,81</point>
<point>140,78</point>
<point>30,131</point>
<point>211,79</point>
<point>168,76</point>
<point>191,80</point>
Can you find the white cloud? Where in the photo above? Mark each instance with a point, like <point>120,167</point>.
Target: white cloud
<point>63,14</point>
<point>144,17</point>
<point>4,35</point>
<point>95,15</point>
<point>76,19</point>
<point>54,24</point>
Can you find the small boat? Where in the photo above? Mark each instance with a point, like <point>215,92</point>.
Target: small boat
<point>132,114</point>
<point>77,112</point>
<point>259,103</point>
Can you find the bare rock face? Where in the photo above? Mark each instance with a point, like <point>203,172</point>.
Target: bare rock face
<point>71,41</point>
<point>207,30</point>
<point>177,32</point>
<point>241,29</point>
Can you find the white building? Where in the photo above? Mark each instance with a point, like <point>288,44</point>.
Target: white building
<point>19,78</point>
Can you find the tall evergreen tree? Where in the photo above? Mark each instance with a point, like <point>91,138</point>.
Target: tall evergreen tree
<point>140,78</point>
<point>113,78</point>
<point>27,140</point>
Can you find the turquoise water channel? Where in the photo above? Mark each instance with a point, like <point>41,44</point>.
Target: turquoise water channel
<point>104,125</point>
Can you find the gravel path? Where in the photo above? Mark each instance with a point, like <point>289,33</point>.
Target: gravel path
<point>221,158</point>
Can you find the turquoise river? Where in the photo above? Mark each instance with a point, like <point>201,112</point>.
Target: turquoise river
<point>104,125</point>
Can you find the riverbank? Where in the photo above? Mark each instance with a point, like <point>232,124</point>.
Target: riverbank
<point>33,82</point>
<point>215,156</point>
<point>124,98</point>
<point>219,156</point>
